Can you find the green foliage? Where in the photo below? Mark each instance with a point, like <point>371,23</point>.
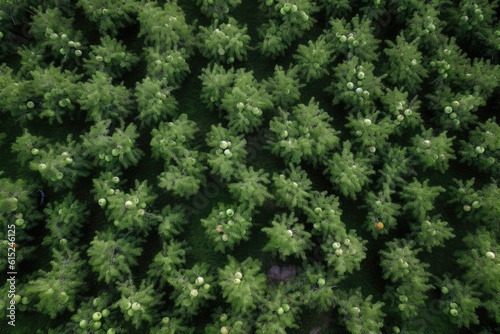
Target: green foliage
<point>169,325</point>
<point>225,321</point>
<point>404,111</point>
<point>433,151</point>
<point>15,196</point>
<point>405,64</point>
<point>432,232</point>
<point>166,28</point>
<point>216,82</point>
<point>370,132</point>
<point>313,59</point>
<point>318,288</point>
<point>356,85</point>
<point>126,210</point>
<point>109,150</point>
<point>183,173</point>
<point>461,298</point>
<point>426,25</point>
<point>290,21</point>
<point>52,91</point>
<point>482,148</point>
<point>155,101</point>
<point>400,264</point>
<point>381,208</point>
<point>227,156</point>
<point>64,221</point>
<point>138,304</point>
<point>104,101</point>
<point>468,200</point>
<point>344,252</point>
<point>170,66</point>
<point>55,32</point>
<point>347,172</point>
<point>192,289</point>
<point>56,291</point>
<point>170,259</point>
<point>303,134</point>
<point>60,165</point>
<point>94,314</point>
<point>324,213</point>
<point>360,314</point>
<point>110,57</point>
<point>228,225</point>
<point>112,258</point>
<point>245,103</point>
<point>217,9</point>
<point>226,41</point>
<point>283,86</point>
<point>242,284</point>
<point>419,198</point>
<point>109,15</point>
<point>280,310</point>
<point>292,190</point>
<point>354,39</point>
<point>251,187</point>
<point>287,237</point>
<point>455,111</point>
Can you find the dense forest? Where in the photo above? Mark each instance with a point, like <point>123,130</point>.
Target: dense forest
<point>250,166</point>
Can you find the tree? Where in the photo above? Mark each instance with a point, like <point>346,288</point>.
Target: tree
<point>170,66</point>
<point>344,251</point>
<point>94,313</point>
<point>459,301</point>
<point>419,198</point>
<point>405,64</point>
<point>60,165</point>
<point>404,111</point>
<point>251,187</point>
<point>53,92</point>
<point>111,257</point>
<point>287,237</point>
<point>56,33</point>
<point>110,57</point>
<point>166,28</point>
<point>324,213</point>
<point>369,131</point>
<point>56,290</point>
<point>225,321</point>
<point>292,189</point>
<point>245,103</point>
<point>138,304</point>
<point>217,9</point>
<point>216,82</point>
<point>228,225</point>
<point>243,284</point>
<point>433,151</point>
<point>126,210</point>
<point>283,86</point>
<point>313,59</point>
<point>356,85</point>
<point>171,325</point>
<point>155,101</point>
<point>64,222</point>
<point>482,147</point>
<point>192,289</point>
<point>110,146</point>
<point>354,38</point>
<point>280,308</point>
<point>318,288</point>
<point>468,200</point>
<point>226,41</point>
<point>104,101</point>
<point>381,209</point>
<point>185,176</point>
<point>303,134</point>
<point>360,314</point>
<point>170,259</point>
<point>109,16</point>
<point>349,173</point>
<point>228,153</point>
<point>432,232</point>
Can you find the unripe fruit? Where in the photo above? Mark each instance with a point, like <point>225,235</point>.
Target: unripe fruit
<point>83,323</point>
<point>280,311</point>
<point>321,282</point>
<point>96,316</point>
<point>490,255</point>
<point>193,293</point>
<point>136,306</point>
